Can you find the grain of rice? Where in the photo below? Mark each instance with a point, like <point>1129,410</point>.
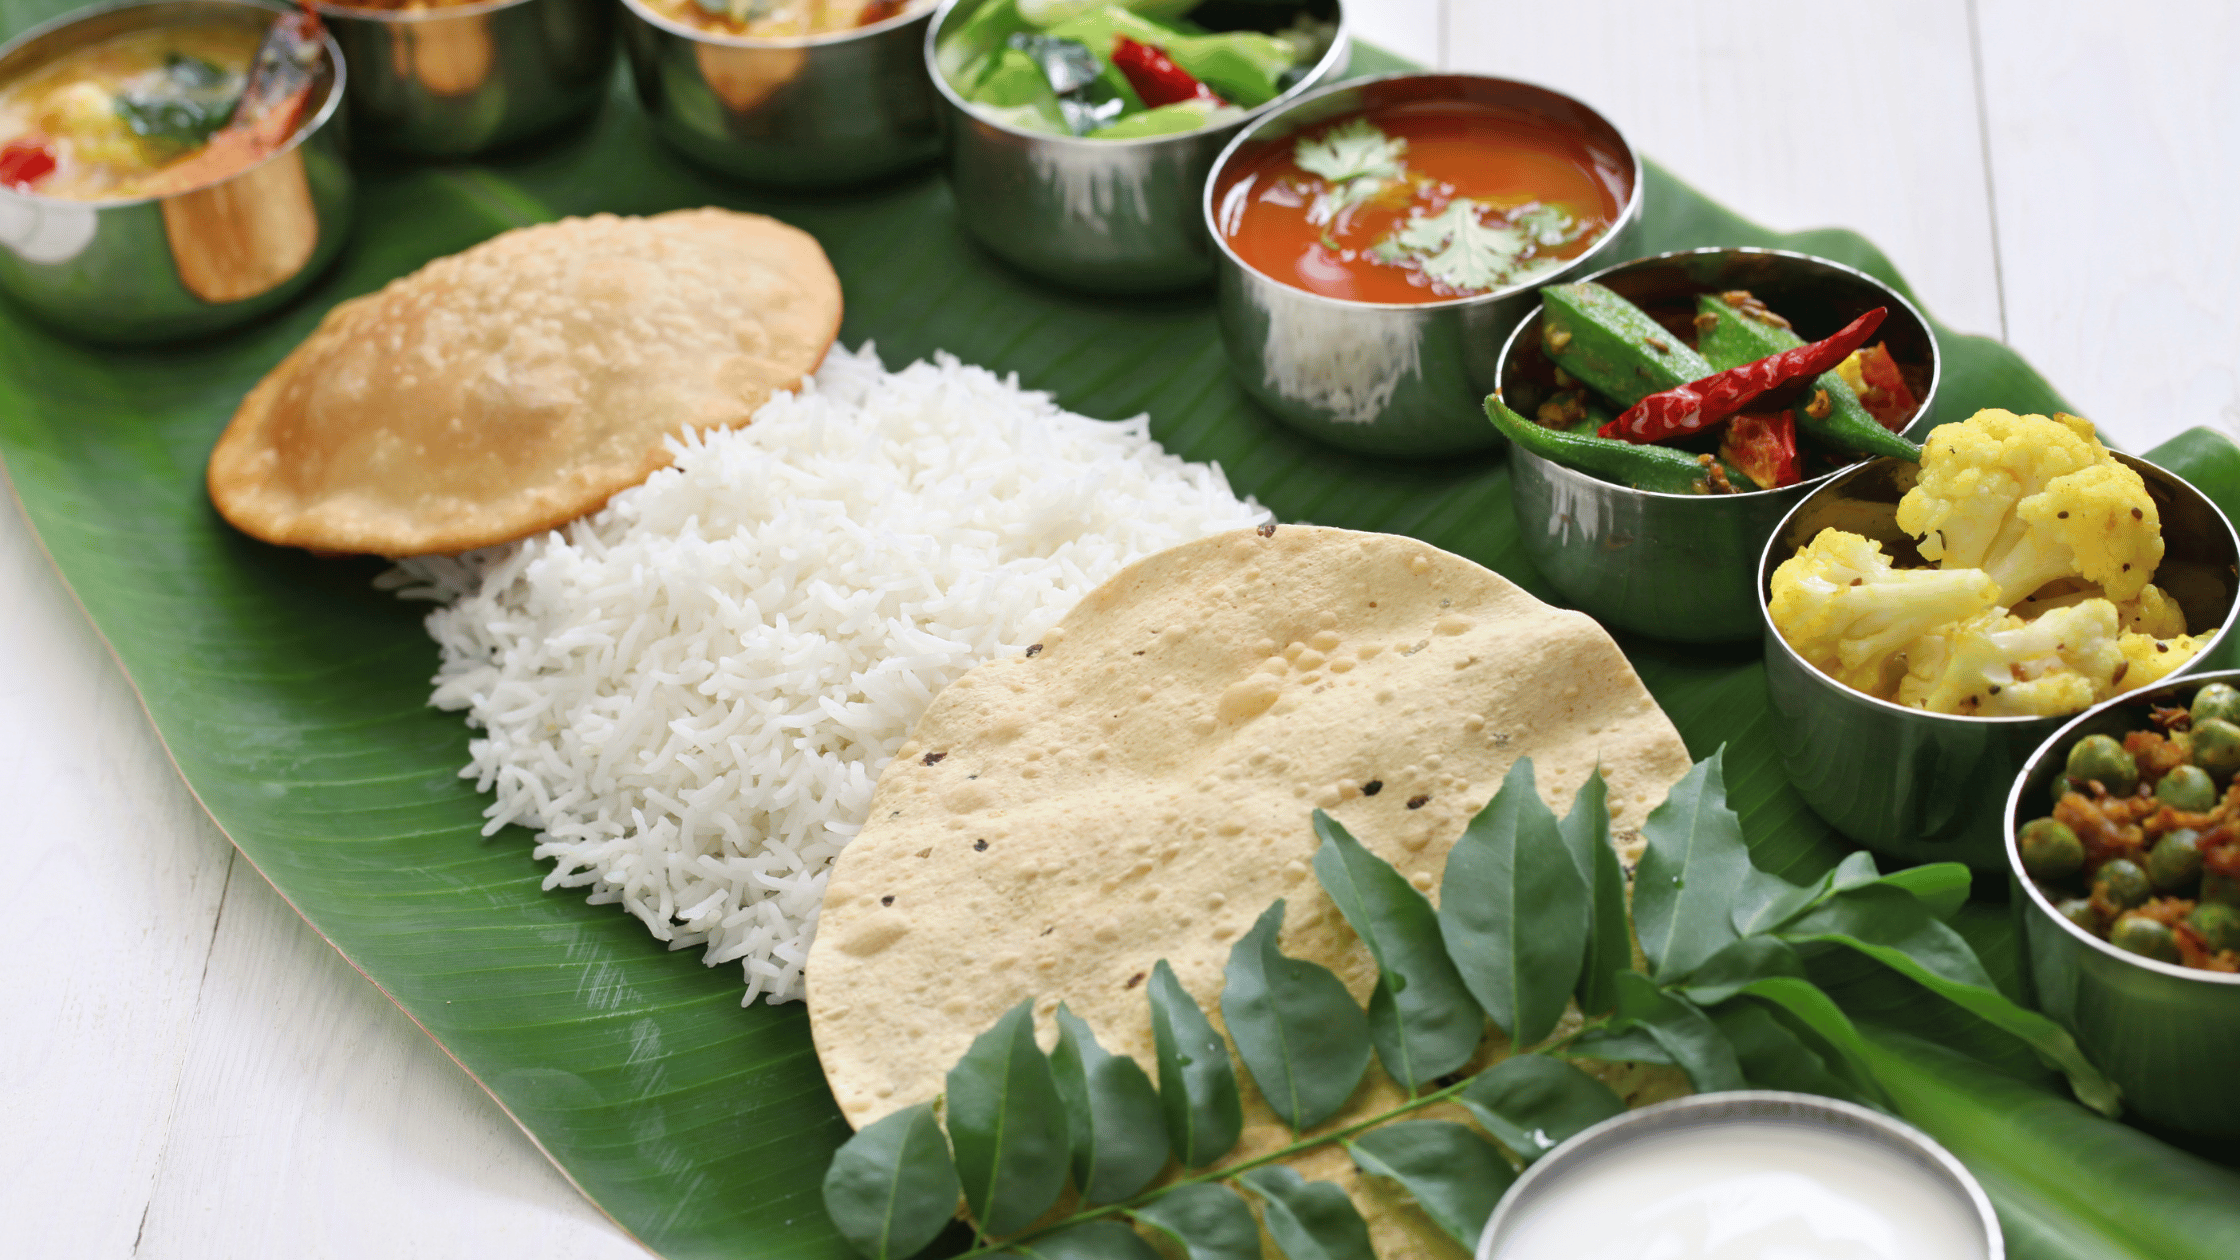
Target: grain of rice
<point>690,694</point>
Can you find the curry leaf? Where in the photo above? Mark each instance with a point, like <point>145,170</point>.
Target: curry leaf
<point>1421,1016</point>
<point>1690,872</point>
<point>1685,1032</point>
<point>1725,973</point>
<point>892,1187</point>
<point>1008,1125</point>
<point>1891,925</point>
<point>1090,1240</point>
<point>1532,1102</point>
<point>1197,1086</point>
<point>1586,833</point>
<point>1765,903</point>
<point>1621,1041</point>
<point>1119,1134</point>
<point>1295,1026</point>
<point>1513,910</point>
<point>1207,1221</point>
<point>1942,887</point>
<point>1310,1220</point>
<point>1813,1008</point>
<point>1774,1057</point>
<point>1456,1176</point>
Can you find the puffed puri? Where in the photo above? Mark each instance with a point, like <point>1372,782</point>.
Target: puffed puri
<point>517,385</point>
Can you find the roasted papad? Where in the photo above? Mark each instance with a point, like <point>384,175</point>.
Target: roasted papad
<point>1141,787</point>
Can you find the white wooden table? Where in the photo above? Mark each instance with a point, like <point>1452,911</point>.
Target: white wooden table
<point>188,1071</point>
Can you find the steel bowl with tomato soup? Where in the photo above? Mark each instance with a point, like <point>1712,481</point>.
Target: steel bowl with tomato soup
<point>1387,378</point>
<point>184,264</point>
<point>1103,216</point>
<point>454,80</point>
<point>811,111</point>
<point>1682,567</point>
<point>1918,786</point>
<point>2164,1033</point>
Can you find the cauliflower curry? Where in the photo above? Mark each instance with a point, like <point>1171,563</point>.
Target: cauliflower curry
<point>2042,602</point>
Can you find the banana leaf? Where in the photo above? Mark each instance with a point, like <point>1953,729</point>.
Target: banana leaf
<point>292,694</point>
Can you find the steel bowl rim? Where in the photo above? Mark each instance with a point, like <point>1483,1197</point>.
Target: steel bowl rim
<point>637,9</point>
<point>1772,635</point>
<point>1936,356</point>
<point>1866,1117</point>
<point>303,130</point>
<point>1628,213</point>
<point>2030,767</point>
<point>402,17</point>
<point>1341,46</point>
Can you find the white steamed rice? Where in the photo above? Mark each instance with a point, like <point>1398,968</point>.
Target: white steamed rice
<point>691,693</point>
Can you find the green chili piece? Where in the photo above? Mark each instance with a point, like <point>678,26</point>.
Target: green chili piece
<point>1735,338</point>
<point>1644,467</point>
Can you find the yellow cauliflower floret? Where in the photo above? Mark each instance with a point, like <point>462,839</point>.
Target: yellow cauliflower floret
<point>1998,665</point>
<point>2151,612</point>
<point>2029,500</point>
<point>2152,659</point>
<point>1848,613</point>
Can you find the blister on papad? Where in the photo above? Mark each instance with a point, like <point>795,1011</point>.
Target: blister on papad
<point>519,384</point>
<point>1141,788</point>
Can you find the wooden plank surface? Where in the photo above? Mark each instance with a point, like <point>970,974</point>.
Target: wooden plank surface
<point>194,1073</point>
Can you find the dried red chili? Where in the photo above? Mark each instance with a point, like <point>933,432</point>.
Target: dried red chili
<point>1764,445</point>
<point>1697,405</point>
<point>24,163</point>
<point>1155,76</point>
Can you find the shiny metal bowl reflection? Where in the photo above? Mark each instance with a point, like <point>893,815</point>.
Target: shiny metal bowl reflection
<point>149,269</point>
<point>2160,1031</point>
<point>815,112</point>
<point>461,79</point>
<point>1682,566</point>
<point>1808,1112</point>
<point>1108,216</point>
<point>1379,377</point>
<point>1920,786</point>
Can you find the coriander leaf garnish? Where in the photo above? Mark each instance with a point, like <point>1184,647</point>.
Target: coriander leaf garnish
<point>1457,248</point>
<point>1351,150</point>
<point>1546,225</point>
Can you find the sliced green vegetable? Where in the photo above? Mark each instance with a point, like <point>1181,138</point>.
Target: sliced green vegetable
<point>1734,338</point>
<point>1613,345</point>
<point>1642,466</point>
<point>1166,120</point>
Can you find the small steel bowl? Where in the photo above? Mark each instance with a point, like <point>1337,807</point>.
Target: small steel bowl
<point>461,79</point>
<point>2160,1031</point>
<point>1108,216</point>
<point>1870,1129</point>
<point>149,269</point>
<point>1380,377</point>
<point>1909,784</point>
<point>820,111</point>
<point>1679,566</point>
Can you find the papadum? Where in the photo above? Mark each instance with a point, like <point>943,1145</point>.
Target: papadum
<point>517,385</point>
<point>1141,788</point>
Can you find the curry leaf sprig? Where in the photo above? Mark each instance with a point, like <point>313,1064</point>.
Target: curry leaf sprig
<point>1531,918</point>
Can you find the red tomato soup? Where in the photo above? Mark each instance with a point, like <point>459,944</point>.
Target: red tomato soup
<point>1421,202</point>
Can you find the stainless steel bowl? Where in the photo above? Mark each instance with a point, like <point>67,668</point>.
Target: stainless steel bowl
<point>1917,786</point>
<point>815,112</point>
<point>459,80</point>
<point>149,269</point>
<point>1680,566</point>
<point>2162,1032</point>
<point>1379,377</point>
<point>1110,216</point>
<point>1703,1111</point>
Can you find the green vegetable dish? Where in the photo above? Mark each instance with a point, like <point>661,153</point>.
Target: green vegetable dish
<point>1716,406</point>
<point>1130,69</point>
<point>2142,848</point>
